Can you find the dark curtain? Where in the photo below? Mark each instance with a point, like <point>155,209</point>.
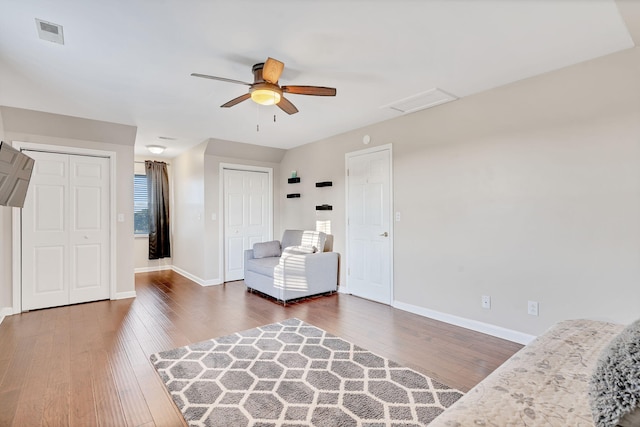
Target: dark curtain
<point>158,198</point>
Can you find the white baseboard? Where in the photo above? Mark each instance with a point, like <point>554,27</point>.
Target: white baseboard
<point>5,311</point>
<point>150,269</point>
<point>196,279</point>
<point>125,295</point>
<point>474,325</point>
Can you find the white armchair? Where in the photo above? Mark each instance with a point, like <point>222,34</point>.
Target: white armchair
<point>301,266</point>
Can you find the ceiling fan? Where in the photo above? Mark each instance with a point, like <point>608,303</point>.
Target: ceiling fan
<point>265,89</point>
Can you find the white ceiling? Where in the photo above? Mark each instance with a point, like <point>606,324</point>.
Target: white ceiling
<point>129,61</point>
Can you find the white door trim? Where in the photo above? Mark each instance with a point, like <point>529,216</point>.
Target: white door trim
<point>221,218</point>
<point>347,156</point>
<point>17,223</point>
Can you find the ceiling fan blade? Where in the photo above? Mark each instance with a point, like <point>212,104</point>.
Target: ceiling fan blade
<point>272,70</point>
<point>286,106</point>
<point>222,79</point>
<point>310,90</point>
<point>237,100</point>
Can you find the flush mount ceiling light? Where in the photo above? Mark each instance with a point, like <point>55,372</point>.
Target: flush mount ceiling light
<point>156,149</point>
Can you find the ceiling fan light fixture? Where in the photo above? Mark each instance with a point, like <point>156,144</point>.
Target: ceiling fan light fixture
<point>265,93</point>
<point>156,149</point>
<point>265,96</point>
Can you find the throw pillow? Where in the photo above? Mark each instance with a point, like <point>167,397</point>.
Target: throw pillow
<point>297,250</point>
<point>266,249</point>
<point>614,389</point>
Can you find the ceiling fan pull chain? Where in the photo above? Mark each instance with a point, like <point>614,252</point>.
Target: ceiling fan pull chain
<point>274,118</point>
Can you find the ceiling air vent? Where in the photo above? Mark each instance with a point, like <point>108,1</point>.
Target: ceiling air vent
<point>423,100</point>
<point>50,31</point>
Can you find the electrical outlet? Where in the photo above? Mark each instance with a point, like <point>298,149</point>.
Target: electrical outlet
<point>532,308</point>
<point>486,301</point>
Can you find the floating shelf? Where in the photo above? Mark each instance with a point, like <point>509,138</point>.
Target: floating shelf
<point>324,184</point>
<point>293,180</point>
<point>324,208</point>
<point>293,196</point>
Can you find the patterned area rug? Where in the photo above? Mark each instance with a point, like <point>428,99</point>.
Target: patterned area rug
<point>295,374</point>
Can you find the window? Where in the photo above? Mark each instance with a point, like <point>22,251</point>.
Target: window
<point>140,205</point>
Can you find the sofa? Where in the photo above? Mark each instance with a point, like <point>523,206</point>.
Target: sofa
<point>300,265</point>
<point>578,373</point>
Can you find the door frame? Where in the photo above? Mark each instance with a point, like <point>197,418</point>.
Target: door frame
<point>16,216</point>
<point>221,217</point>
<point>347,157</point>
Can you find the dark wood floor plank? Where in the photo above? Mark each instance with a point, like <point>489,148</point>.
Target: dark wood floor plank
<point>8,406</point>
<point>134,405</point>
<point>31,403</point>
<point>56,405</point>
<point>81,398</point>
<point>89,363</point>
<point>162,410</point>
<point>17,370</point>
<point>108,407</point>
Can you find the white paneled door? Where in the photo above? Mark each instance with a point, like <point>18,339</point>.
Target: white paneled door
<point>65,231</point>
<point>369,225</point>
<point>247,215</point>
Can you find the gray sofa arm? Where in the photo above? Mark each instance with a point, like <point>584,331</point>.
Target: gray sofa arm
<point>308,273</point>
<point>248,254</point>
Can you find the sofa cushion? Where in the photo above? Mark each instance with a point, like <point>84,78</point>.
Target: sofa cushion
<point>266,249</point>
<point>262,266</point>
<point>614,390</point>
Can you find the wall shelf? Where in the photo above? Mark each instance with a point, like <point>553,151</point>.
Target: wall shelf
<point>324,184</point>
<point>293,180</point>
<point>324,208</point>
<point>293,196</point>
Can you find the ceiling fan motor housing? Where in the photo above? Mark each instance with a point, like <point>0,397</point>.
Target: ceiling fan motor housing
<point>257,72</point>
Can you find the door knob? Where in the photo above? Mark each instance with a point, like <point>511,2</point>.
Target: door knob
<point>385,234</point>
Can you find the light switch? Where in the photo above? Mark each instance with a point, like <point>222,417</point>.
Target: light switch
<point>397,216</point>
<point>213,217</point>
<point>120,217</point>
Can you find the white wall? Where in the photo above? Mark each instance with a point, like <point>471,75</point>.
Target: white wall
<point>323,161</point>
<point>188,218</point>
<point>530,191</point>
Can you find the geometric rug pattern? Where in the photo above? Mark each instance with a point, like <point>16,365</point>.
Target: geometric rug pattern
<point>295,374</point>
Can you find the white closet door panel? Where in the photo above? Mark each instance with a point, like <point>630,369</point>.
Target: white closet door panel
<point>48,270</point>
<point>247,204</point>
<point>65,231</point>
<point>45,253</point>
<point>89,236</point>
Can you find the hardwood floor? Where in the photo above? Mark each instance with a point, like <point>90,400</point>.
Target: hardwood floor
<point>88,364</point>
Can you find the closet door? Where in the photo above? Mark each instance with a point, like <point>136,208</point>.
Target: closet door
<point>88,229</point>
<point>246,217</point>
<point>65,231</point>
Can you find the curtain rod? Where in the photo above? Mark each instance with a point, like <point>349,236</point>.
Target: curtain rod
<point>137,161</point>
